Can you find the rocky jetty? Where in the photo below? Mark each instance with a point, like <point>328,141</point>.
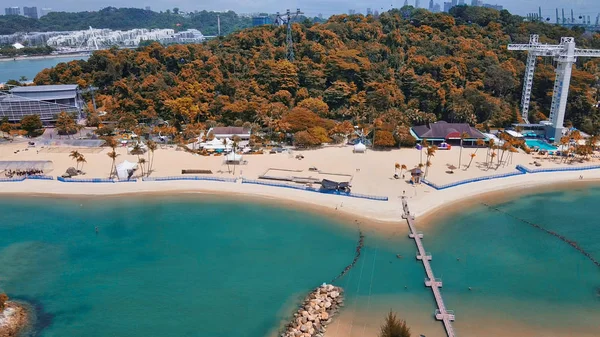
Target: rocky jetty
<point>14,319</point>
<point>316,312</point>
<point>359,247</point>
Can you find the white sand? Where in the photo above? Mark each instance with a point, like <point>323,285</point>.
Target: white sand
<point>372,173</point>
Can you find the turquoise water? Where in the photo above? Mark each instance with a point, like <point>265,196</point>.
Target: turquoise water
<point>13,70</point>
<point>540,143</point>
<point>174,266</point>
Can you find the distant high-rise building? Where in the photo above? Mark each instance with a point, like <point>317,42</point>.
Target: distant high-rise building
<point>30,12</point>
<point>479,3</point>
<point>12,11</point>
<point>461,2</point>
<point>430,5</point>
<point>376,13</point>
<point>148,8</point>
<point>436,8</point>
<point>261,21</point>
<point>351,11</point>
<point>369,11</point>
<point>473,2</point>
<point>417,3</point>
<point>45,11</point>
<point>454,3</point>
<point>447,6</point>
<point>405,3</point>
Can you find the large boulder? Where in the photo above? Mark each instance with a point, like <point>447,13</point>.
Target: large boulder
<point>71,171</point>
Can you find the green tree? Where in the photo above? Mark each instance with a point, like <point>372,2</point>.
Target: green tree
<point>394,327</point>
<point>65,124</point>
<point>152,146</point>
<point>384,138</point>
<point>6,127</point>
<point>32,124</point>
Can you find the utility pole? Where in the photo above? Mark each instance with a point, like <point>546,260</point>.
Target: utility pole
<point>289,40</point>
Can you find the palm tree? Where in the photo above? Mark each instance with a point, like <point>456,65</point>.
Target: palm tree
<point>402,168</point>
<point>492,156</point>
<point>152,146</point>
<point>81,160</point>
<point>462,137</point>
<point>112,155</point>
<point>564,142</point>
<point>427,166</point>
<point>75,155</point>
<point>394,327</point>
<point>396,167</point>
<point>111,142</point>
<point>236,141</point>
<point>142,161</point>
<point>473,155</point>
<point>424,144</point>
<point>491,146</point>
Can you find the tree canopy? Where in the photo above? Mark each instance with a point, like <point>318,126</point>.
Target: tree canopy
<point>398,69</point>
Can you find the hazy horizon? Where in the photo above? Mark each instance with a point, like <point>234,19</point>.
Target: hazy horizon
<point>310,7</point>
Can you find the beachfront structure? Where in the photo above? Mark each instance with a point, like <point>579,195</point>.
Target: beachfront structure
<point>230,132</point>
<point>46,101</point>
<point>96,39</point>
<point>444,132</point>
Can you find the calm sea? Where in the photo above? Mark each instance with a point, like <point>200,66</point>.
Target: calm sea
<point>178,266</point>
<point>13,70</point>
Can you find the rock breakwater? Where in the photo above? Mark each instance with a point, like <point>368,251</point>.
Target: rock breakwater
<point>316,312</point>
<point>359,247</point>
<point>14,319</point>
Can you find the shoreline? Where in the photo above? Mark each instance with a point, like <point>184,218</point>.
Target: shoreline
<point>430,206</point>
<point>42,57</point>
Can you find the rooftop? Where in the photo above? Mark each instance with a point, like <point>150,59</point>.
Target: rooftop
<point>44,88</point>
<point>229,130</point>
<point>445,130</point>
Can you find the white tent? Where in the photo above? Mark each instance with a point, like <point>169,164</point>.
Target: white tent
<point>215,144</point>
<point>360,147</point>
<point>233,158</point>
<point>18,46</point>
<point>123,169</point>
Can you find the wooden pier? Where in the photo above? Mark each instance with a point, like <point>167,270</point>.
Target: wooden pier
<point>441,314</point>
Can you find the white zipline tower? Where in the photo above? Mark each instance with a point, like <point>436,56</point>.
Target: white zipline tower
<point>565,54</point>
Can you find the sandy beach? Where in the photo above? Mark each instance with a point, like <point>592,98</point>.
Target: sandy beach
<point>370,173</point>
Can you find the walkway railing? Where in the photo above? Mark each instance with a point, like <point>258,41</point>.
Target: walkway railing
<point>90,180</point>
<point>228,180</point>
<point>557,169</point>
<point>442,314</point>
<point>473,180</point>
<point>22,178</point>
<point>312,189</point>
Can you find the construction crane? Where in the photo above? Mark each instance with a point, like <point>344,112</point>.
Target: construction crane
<point>286,19</point>
<point>565,54</point>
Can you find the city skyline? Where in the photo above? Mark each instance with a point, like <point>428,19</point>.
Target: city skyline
<point>310,7</point>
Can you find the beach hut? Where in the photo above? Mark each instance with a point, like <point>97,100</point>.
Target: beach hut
<point>416,175</point>
<point>360,148</point>
<point>125,170</point>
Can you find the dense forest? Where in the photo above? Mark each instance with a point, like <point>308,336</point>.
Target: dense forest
<point>402,68</point>
<point>125,18</point>
<point>128,18</point>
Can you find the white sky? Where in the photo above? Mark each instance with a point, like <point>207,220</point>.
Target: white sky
<point>310,7</point>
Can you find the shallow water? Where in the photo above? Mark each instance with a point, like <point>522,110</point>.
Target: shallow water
<point>177,266</point>
<point>13,70</point>
<point>520,277</point>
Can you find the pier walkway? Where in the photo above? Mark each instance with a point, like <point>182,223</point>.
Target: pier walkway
<point>441,314</point>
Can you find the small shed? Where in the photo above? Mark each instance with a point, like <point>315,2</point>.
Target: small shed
<point>416,175</point>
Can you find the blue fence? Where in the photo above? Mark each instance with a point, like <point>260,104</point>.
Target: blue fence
<point>12,179</point>
<point>21,178</point>
<point>40,177</point>
<point>91,180</point>
<point>227,180</point>
<point>312,189</point>
<point>557,169</point>
<point>468,181</point>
